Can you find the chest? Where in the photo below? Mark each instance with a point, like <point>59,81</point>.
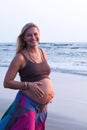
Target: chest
<point>35,69</point>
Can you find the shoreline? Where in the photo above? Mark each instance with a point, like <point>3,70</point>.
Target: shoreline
<point>68,111</point>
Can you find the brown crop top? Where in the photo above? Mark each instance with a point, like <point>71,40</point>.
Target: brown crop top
<point>34,71</point>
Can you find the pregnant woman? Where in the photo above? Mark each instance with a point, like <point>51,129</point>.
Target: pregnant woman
<point>29,109</point>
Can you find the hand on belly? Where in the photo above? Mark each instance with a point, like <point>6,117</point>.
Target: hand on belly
<point>47,88</point>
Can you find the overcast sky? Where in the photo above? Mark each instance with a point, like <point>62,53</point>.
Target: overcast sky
<point>58,20</point>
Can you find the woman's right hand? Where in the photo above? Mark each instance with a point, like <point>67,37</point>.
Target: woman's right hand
<point>35,89</point>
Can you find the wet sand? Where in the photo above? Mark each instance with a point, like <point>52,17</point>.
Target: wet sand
<point>68,111</point>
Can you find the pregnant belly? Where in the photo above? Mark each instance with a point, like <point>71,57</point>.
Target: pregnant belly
<point>47,87</point>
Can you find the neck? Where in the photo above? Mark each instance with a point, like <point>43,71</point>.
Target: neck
<point>34,54</point>
<point>32,49</point>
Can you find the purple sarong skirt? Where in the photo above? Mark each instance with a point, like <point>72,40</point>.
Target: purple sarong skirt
<point>24,114</point>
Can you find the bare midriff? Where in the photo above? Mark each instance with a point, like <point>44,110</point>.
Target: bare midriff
<point>47,87</point>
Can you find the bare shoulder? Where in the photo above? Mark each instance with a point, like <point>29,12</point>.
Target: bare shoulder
<point>18,58</point>
<point>17,61</point>
<point>45,54</point>
<point>14,67</point>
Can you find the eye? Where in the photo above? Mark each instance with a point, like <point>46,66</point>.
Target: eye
<point>35,34</point>
<point>29,35</point>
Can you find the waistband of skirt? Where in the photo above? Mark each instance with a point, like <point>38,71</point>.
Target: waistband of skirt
<point>20,95</point>
<point>29,103</point>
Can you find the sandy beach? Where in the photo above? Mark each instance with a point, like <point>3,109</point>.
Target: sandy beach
<point>68,111</point>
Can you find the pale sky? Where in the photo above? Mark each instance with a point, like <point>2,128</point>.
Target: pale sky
<point>58,20</point>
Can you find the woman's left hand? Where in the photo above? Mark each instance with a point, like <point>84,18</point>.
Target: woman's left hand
<point>35,89</point>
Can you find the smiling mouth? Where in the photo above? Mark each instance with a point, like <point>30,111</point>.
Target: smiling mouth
<point>33,41</point>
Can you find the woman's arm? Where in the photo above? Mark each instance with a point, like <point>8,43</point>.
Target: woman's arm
<point>9,80</point>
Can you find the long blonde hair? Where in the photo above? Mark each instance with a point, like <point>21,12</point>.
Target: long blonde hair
<point>20,41</point>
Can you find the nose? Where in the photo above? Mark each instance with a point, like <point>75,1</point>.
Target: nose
<point>33,36</point>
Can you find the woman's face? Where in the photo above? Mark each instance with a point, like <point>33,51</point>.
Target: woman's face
<point>32,37</point>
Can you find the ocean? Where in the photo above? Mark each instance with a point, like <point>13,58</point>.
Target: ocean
<point>64,57</point>
<point>70,90</point>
